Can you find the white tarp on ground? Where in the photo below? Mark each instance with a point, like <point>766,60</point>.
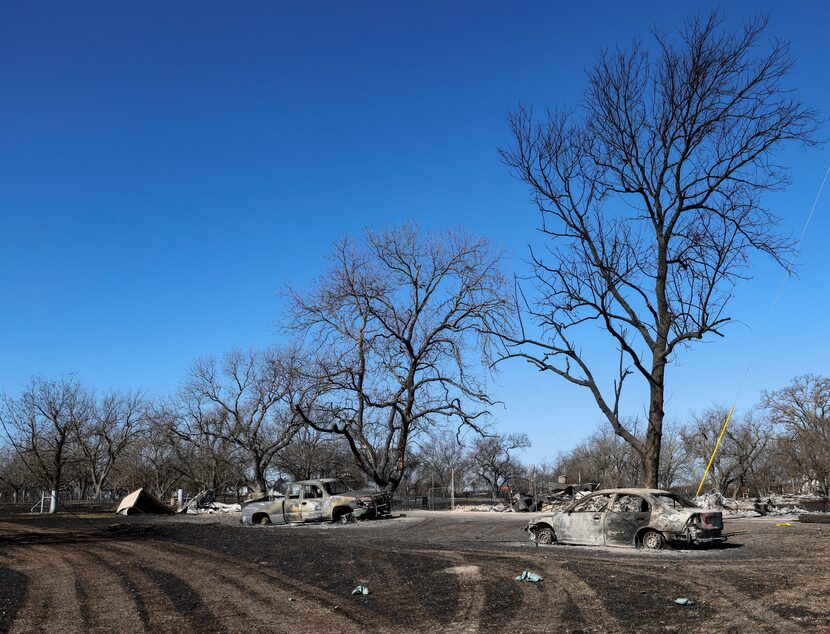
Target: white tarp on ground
<point>139,501</point>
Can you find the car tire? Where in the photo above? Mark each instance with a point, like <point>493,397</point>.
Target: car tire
<point>652,540</point>
<point>264,520</point>
<point>545,536</point>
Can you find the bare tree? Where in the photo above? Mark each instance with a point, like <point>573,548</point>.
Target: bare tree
<point>744,441</point>
<point>115,421</point>
<point>396,322</point>
<point>314,454</point>
<point>603,458</point>
<point>251,394</point>
<point>493,459</point>
<point>15,477</point>
<point>803,410</point>
<point>441,460</point>
<point>650,193</point>
<point>40,426</point>
<point>151,460</point>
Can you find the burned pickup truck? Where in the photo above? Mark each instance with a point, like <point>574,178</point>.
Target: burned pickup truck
<point>326,500</point>
<point>646,518</point>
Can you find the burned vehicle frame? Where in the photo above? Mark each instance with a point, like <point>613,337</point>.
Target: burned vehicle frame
<point>324,500</point>
<point>647,518</point>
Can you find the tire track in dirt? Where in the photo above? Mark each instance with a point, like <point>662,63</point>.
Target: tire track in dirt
<point>240,595</point>
<point>736,607</point>
<point>50,580</point>
<point>154,607</point>
<point>104,602</point>
<point>14,584</point>
<point>472,596</point>
<point>502,597</point>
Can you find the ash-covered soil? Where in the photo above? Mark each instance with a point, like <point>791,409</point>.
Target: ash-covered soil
<point>447,572</point>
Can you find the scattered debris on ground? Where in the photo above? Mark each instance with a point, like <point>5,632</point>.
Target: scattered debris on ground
<point>483,508</point>
<point>361,589</point>
<point>205,502</point>
<point>529,576</point>
<point>684,601</point>
<point>774,505</point>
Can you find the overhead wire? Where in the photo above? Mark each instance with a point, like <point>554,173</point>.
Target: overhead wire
<point>787,274</point>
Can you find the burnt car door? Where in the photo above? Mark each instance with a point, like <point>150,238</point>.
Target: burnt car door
<point>293,503</point>
<point>312,504</point>
<point>583,523</point>
<point>626,515</point>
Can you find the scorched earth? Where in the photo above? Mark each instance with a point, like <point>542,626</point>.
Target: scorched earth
<point>428,571</point>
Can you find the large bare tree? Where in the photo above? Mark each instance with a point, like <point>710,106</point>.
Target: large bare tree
<point>493,459</point>
<point>396,324</point>
<point>651,194</point>
<point>40,426</point>
<point>250,395</point>
<point>116,420</point>
<point>802,409</point>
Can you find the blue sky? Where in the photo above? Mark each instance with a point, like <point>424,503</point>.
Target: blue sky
<point>166,167</point>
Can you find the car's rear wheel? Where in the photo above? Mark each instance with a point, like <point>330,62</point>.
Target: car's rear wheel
<point>652,540</point>
<point>545,536</point>
<point>264,520</point>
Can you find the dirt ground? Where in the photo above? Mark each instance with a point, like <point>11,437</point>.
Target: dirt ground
<point>448,572</point>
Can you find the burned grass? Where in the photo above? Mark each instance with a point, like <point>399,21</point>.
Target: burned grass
<point>425,572</point>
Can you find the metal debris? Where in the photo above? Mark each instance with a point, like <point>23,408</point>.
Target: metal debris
<point>529,576</point>
<point>360,589</point>
<point>684,601</point>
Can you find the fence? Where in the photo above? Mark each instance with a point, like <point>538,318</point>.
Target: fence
<point>440,499</point>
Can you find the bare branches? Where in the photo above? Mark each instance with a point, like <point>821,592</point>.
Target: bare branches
<point>393,325</point>
<point>246,400</point>
<point>651,194</point>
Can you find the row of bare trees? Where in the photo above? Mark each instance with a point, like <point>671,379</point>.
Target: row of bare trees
<point>781,445</point>
<point>65,437</point>
<point>390,343</point>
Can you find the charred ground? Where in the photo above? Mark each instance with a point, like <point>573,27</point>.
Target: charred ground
<point>426,572</point>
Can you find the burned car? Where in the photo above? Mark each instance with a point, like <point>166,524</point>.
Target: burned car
<point>646,518</point>
<point>326,500</point>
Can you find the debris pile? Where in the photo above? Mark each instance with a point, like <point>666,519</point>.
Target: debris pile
<point>483,508</point>
<point>774,505</point>
<point>205,502</point>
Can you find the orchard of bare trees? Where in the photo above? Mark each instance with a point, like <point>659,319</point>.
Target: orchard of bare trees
<point>63,436</point>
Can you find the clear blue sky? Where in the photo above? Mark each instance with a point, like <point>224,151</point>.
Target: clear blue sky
<point>166,167</point>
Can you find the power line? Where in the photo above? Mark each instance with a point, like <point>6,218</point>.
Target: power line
<point>787,274</point>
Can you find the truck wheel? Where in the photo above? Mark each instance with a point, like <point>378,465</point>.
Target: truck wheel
<point>652,540</point>
<point>264,520</point>
<point>545,536</point>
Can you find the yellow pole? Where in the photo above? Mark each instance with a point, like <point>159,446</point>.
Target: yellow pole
<point>712,459</point>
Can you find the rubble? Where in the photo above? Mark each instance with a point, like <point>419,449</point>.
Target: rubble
<point>529,576</point>
<point>205,503</point>
<point>483,508</point>
<point>774,505</point>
